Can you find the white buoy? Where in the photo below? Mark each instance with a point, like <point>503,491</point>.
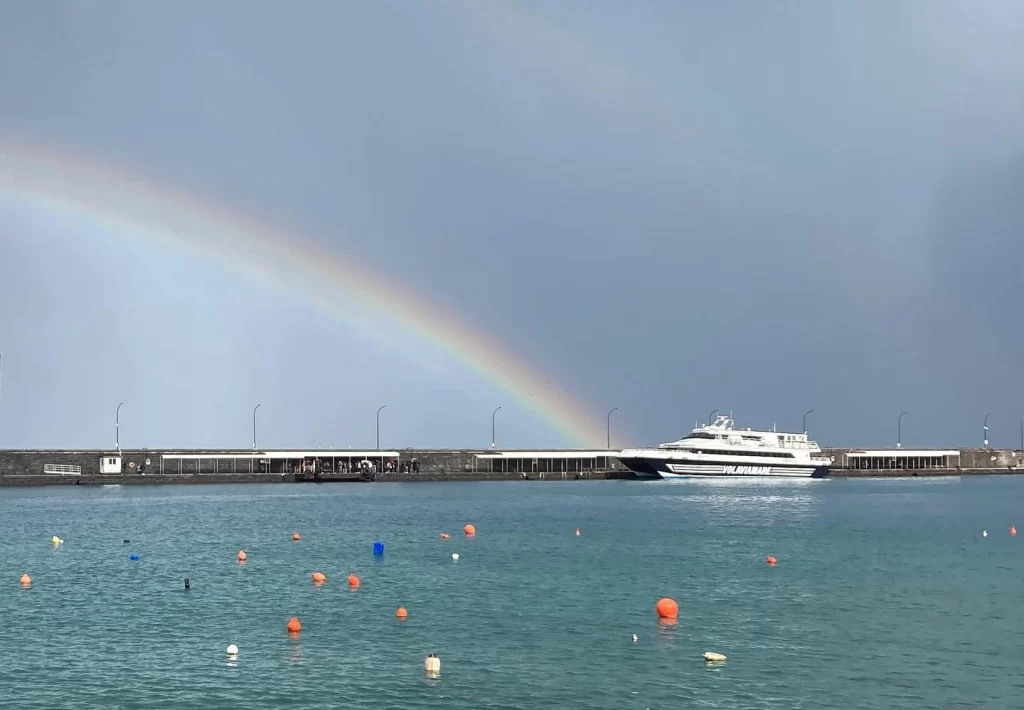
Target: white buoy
<point>635,638</point>
<point>60,541</point>
<point>232,650</point>
<point>432,664</point>
<point>712,657</point>
<point>984,533</point>
<point>455,556</point>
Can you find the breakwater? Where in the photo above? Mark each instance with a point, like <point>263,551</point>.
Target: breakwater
<point>164,466</point>
<point>156,466</point>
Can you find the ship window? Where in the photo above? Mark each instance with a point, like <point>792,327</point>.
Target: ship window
<point>769,454</point>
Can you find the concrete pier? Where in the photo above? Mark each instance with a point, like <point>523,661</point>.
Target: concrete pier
<point>86,467</point>
<point>159,466</point>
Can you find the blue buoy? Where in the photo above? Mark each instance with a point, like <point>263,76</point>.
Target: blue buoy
<point>378,548</point>
<point>133,556</point>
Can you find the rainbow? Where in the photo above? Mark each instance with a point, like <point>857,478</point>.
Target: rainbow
<point>84,188</point>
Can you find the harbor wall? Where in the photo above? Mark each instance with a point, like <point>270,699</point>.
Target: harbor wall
<point>28,467</point>
<point>138,466</point>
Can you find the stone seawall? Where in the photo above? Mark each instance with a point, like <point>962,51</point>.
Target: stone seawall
<point>145,466</point>
<point>148,466</point>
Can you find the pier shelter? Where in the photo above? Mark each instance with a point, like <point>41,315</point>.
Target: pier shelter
<point>283,462</point>
<point>901,459</point>
<point>542,463</point>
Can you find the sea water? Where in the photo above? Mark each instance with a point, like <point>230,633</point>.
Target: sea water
<point>885,595</point>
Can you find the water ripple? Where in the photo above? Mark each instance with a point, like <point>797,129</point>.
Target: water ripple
<point>885,595</point>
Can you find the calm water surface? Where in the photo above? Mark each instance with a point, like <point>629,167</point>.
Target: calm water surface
<point>885,596</point>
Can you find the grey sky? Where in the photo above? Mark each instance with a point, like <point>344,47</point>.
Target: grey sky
<point>670,207</point>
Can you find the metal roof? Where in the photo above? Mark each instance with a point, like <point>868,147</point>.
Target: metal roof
<point>546,454</point>
<point>338,454</point>
<point>903,453</point>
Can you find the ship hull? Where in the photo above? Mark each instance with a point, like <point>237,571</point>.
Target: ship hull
<point>645,467</point>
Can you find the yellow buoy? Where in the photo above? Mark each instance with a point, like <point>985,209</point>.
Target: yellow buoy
<point>712,657</point>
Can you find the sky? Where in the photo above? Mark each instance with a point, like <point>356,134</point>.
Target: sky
<point>665,207</point>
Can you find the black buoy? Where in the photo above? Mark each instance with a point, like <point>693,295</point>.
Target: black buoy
<point>126,541</point>
<point>186,584</point>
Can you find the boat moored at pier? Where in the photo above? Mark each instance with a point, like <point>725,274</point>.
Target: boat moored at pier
<point>719,449</point>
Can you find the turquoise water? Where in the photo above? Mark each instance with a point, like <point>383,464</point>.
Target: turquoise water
<point>885,595</point>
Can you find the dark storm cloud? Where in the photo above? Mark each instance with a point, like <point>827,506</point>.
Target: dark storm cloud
<point>672,207</point>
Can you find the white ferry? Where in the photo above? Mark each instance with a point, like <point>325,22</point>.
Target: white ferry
<point>718,449</point>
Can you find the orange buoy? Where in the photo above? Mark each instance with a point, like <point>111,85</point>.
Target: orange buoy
<point>25,580</point>
<point>444,536</point>
<point>772,560</point>
<point>401,613</point>
<point>667,608</point>
<point>294,626</point>
<point>470,529</point>
<point>296,536</point>
<point>241,555</point>
<point>353,581</point>
<point>319,577</point>
<point>1013,530</point>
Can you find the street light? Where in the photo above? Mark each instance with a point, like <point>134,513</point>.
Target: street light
<point>378,425</point>
<point>608,444</point>
<point>986,427</point>
<point>492,425</point>
<point>710,416</point>
<point>117,427</point>
<point>254,426</point>
<point>899,429</point>
<point>809,411</point>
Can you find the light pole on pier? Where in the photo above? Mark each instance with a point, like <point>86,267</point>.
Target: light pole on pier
<point>117,428</point>
<point>985,425</point>
<point>712,415</point>
<point>608,442</point>
<point>254,425</point>
<point>378,424</point>
<point>492,425</point>
<point>809,411</point>
<point>899,429</point>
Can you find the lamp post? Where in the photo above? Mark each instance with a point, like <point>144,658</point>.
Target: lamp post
<point>899,429</point>
<point>985,426</point>
<point>378,424</point>
<point>809,411</point>
<point>711,416</point>
<point>117,427</point>
<point>254,426</point>
<point>608,442</point>
<point>492,425</point>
